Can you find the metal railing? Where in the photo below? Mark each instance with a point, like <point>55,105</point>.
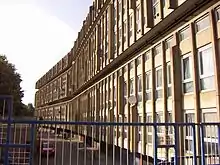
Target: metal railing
<point>99,143</point>
<point>42,142</point>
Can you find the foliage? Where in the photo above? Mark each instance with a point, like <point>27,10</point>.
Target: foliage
<point>10,85</point>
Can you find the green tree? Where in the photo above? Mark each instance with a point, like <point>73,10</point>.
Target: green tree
<point>10,85</point>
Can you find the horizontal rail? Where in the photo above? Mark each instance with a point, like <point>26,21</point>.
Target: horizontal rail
<point>12,145</point>
<point>103,123</point>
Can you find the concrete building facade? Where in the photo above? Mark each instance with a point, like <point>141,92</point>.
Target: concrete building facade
<point>165,53</point>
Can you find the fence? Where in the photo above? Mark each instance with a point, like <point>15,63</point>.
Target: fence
<point>38,142</point>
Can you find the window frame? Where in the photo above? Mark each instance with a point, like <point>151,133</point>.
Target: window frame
<point>169,77</point>
<point>148,91</point>
<point>206,16</point>
<point>159,88</point>
<point>209,75</point>
<point>217,13</point>
<point>188,80</point>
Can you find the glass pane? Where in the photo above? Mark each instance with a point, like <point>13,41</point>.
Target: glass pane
<point>206,62</point>
<point>159,93</point>
<point>139,84</point>
<point>131,86</point>
<point>125,89</point>
<point>202,24</point>
<point>159,77</point>
<point>148,81</point>
<point>169,91</point>
<point>147,96</point>
<point>184,34</point>
<point>207,83</point>
<point>168,74</point>
<point>188,87</point>
<point>186,68</point>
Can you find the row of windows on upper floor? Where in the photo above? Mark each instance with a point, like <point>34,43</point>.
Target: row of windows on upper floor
<point>205,72</point>
<point>185,33</point>
<point>206,81</point>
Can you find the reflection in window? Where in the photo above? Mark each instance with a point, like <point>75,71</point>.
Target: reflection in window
<point>159,83</point>
<point>139,88</point>
<point>132,87</point>
<point>148,85</point>
<point>139,60</point>
<point>210,131</point>
<point>184,34</point>
<point>169,82</point>
<point>139,127</point>
<point>189,118</point>
<point>206,66</point>
<point>149,128</point>
<point>218,14</point>
<point>138,18</point>
<point>187,74</point>
<point>168,43</point>
<point>157,50</point>
<point>159,119</point>
<point>202,24</point>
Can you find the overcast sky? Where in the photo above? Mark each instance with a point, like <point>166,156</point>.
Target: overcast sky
<point>36,34</point>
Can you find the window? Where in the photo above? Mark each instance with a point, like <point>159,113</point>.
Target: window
<point>148,85</point>
<point>159,83</point>
<point>125,90</point>
<point>125,32</point>
<point>189,118</point>
<point>139,88</point>
<point>206,68</point>
<point>159,119</point>
<point>149,128</point>
<point>131,87</point>
<point>131,65</point>
<point>156,8</point>
<point>210,131</point>
<point>157,50</point>
<point>131,26</point>
<point>187,74</point>
<point>146,56</point>
<point>170,120</point>
<point>218,14</point>
<point>168,43</point>
<point>138,19</point>
<point>139,60</point>
<point>169,81</point>
<point>139,127</point>
<point>139,84</point>
<point>202,24</point>
<point>184,34</point>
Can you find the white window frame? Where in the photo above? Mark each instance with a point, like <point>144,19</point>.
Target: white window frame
<point>217,13</point>
<point>156,6</point>
<point>131,79</point>
<point>207,16</point>
<point>148,91</point>
<point>125,31</point>
<point>169,84</point>
<point>138,19</point>
<point>199,51</point>
<point>205,75</point>
<point>160,87</point>
<point>131,30</point>
<point>191,70</point>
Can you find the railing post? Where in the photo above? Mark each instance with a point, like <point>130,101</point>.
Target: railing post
<point>202,144</point>
<point>10,108</point>
<point>194,143</point>
<point>155,143</point>
<point>176,146</point>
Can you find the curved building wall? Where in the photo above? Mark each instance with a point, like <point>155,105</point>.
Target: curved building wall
<point>165,55</point>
